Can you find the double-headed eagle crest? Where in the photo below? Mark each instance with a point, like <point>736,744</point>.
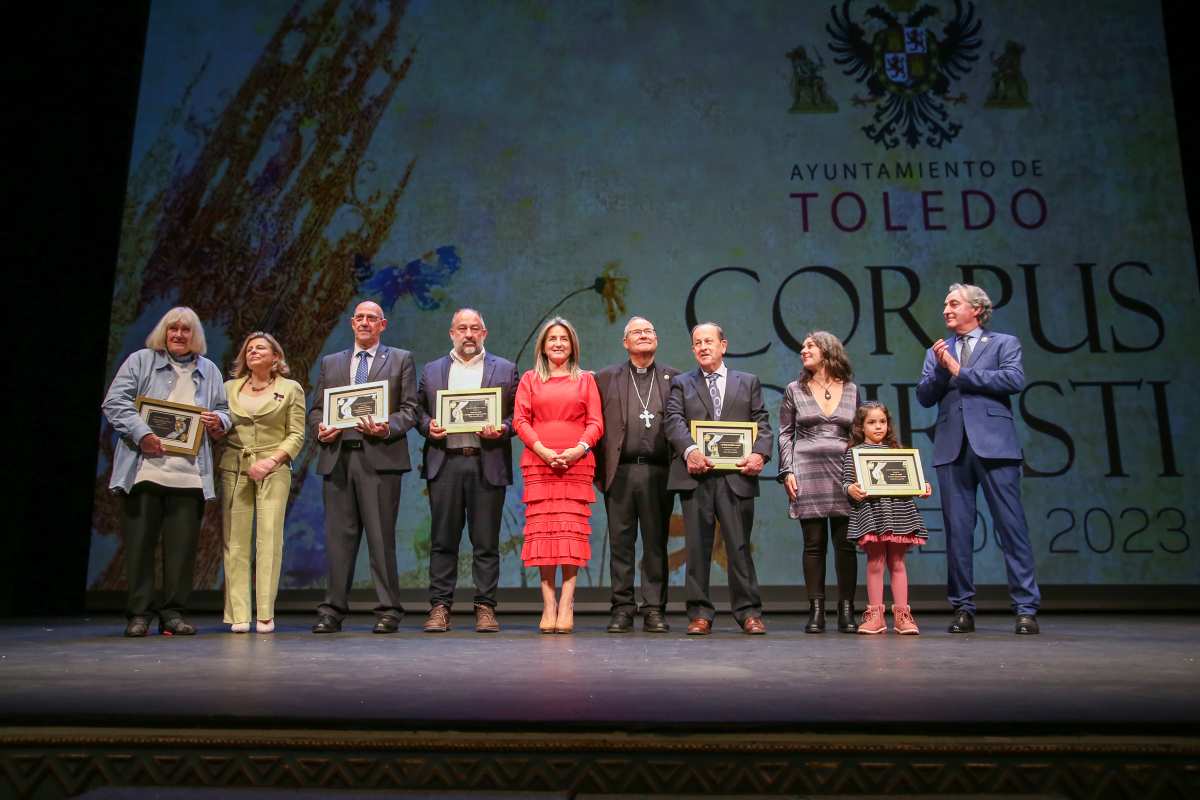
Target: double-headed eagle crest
<point>908,70</point>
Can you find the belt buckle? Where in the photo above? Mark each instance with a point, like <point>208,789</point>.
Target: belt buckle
<point>353,444</point>
<point>469,451</point>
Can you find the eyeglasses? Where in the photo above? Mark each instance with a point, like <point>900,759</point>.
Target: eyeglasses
<point>640,332</point>
<point>366,318</point>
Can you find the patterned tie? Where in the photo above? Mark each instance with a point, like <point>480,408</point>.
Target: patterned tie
<point>714,393</point>
<point>360,374</point>
<point>964,350</point>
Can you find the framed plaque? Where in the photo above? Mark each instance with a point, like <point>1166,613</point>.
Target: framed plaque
<point>177,425</point>
<point>468,410</point>
<point>346,405</point>
<point>885,471</point>
<point>726,443</point>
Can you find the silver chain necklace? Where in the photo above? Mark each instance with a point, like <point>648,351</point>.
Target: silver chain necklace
<point>646,414</point>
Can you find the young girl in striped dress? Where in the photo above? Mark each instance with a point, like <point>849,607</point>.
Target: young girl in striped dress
<point>885,527</point>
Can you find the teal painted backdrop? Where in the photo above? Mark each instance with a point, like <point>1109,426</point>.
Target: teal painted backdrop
<point>779,167</point>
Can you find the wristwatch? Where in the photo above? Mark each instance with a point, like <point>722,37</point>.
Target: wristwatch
<point>585,447</point>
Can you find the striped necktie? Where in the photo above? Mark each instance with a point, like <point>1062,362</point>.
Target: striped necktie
<point>714,393</point>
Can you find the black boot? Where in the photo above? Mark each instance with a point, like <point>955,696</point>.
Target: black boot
<point>816,617</point>
<point>846,623</point>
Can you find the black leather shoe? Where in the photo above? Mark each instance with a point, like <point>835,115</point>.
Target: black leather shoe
<point>1026,624</point>
<point>846,621</point>
<point>388,624</point>
<point>964,622</point>
<point>137,626</point>
<point>816,617</point>
<point>655,621</point>
<point>621,621</point>
<point>176,626</point>
<point>327,624</point>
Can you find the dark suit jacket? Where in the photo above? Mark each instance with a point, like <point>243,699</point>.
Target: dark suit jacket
<point>613,383</point>
<point>496,454</point>
<point>976,402</point>
<point>391,364</point>
<point>742,402</point>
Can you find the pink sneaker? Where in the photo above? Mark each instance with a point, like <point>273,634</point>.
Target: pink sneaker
<point>903,621</point>
<point>872,621</point>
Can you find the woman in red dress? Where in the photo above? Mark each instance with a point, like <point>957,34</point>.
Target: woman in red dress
<point>558,417</point>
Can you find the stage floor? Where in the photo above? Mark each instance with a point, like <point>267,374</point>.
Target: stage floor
<point>1083,673</point>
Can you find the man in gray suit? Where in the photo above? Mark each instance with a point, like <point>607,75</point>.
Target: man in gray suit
<point>362,468</point>
<point>467,473</point>
<point>708,495</point>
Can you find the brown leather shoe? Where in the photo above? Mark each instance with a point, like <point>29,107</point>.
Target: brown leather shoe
<point>699,627</point>
<point>439,620</point>
<point>754,626</point>
<point>485,619</point>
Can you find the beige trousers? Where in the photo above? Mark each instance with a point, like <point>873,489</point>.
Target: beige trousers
<point>242,501</point>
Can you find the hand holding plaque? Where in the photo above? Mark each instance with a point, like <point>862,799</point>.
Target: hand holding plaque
<point>347,406</point>
<point>889,472</point>
<point>726,445</point>
<point>468,410</point>
<point>177,427</point>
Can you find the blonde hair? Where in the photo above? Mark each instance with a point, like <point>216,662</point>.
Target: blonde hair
<point>541,364</point>
<point>280,366</point>
<point>157,340</point>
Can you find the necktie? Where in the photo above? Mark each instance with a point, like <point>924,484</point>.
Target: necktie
<point>964,350</point>
<point>714,393</point>
<point>360,374</point>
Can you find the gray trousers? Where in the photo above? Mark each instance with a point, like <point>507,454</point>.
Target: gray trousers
<point>358,499</point>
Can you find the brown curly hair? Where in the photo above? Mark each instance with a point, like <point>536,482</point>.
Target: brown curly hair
<point>833,354</point>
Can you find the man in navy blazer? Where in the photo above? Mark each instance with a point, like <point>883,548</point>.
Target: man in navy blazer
<point>975,444</point>
<point>467,473</point>
<point>708,495</point>
<point>362,468</point>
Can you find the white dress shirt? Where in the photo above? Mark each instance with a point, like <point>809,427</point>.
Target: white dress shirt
<point>464,375</point>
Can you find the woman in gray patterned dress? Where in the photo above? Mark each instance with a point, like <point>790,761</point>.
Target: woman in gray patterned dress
<point>814,424</point>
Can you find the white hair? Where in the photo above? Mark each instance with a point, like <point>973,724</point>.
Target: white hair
<point>157,340</point>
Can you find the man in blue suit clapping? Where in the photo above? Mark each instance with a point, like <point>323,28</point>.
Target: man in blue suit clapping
<point>971,378</point>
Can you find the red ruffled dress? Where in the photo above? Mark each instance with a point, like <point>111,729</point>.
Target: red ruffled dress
<point>560,413</point>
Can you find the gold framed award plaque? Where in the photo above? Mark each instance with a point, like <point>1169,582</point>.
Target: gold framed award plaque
<point>725,443</point>
<point>892,472</point>
<point>177,425</point>
<point>346,405</point>
<point>468,410</point>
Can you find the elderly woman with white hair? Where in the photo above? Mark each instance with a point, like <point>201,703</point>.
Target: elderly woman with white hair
<point>163,490</point>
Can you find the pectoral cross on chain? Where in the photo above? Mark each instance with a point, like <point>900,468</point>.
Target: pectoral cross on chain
<point>646,415</point>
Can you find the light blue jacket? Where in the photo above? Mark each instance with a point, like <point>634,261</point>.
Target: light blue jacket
<point>147,372</point>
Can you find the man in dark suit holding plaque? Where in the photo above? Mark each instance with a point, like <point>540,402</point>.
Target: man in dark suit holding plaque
<point>632,465</point>
<point>467,473</point>
<point>971,379</point>
<point>710,495</point>
<point>362,468</point>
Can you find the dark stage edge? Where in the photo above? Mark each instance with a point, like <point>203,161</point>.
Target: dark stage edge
<point>1096,706</point>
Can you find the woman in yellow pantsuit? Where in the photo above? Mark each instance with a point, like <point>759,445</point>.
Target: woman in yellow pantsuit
<point>267,410</point>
